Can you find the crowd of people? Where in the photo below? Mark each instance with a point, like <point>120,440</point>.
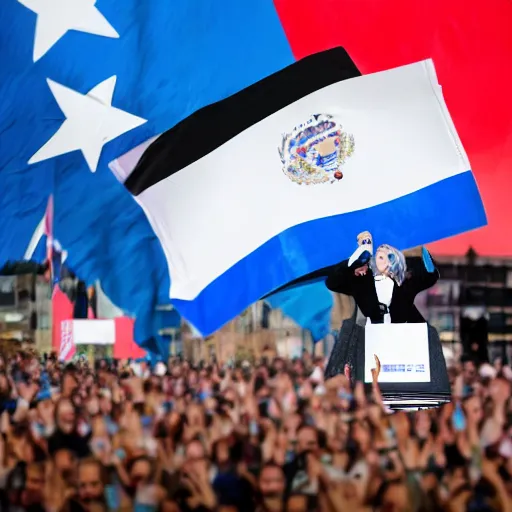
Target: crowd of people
<point>270,436</point>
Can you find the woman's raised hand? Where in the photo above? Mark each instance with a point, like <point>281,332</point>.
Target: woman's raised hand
<point>361,271</point>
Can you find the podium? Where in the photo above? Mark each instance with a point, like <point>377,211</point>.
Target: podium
<point>413,372</point>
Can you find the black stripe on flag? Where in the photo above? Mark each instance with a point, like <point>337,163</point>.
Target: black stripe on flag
<point>212,126</point>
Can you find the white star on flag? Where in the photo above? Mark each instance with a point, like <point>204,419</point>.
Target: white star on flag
<point>91,122</point>
<point>56,17</point>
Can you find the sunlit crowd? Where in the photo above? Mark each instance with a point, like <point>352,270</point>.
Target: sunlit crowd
<point>270,436</point>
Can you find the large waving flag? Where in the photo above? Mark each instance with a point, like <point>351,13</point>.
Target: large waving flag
<point>288,163</point>
<point>84,82</point>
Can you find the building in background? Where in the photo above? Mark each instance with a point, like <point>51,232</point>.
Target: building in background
<point>43,308</point>
<point>25,310</point>
<point>16,308</point>
<point>471,305</point>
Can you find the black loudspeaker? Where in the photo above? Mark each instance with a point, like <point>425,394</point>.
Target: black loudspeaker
<point>81,301</point>
<point>474,335</point>
<point>265,316</point>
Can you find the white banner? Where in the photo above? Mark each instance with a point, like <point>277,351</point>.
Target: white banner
<point>94,332</point>
<point>402,350</point>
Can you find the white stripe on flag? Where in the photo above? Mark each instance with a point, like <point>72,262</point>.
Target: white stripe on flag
<point>224,206</point>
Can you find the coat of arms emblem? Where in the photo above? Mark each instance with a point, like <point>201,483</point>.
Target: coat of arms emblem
<point>315,151</point>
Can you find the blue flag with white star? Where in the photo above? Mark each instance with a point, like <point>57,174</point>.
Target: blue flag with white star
<point>83,82</point>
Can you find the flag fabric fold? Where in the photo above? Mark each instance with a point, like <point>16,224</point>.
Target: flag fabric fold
<point>309,306</point>
<point>147,67</point>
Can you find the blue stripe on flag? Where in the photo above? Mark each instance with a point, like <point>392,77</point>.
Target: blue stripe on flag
<point>308,305</point>
<point>171,59</point>
<point>403,223</point>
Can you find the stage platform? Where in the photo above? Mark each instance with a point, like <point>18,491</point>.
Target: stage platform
<point>415,401</point>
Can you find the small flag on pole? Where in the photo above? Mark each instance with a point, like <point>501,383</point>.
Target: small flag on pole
<point>53,247</point>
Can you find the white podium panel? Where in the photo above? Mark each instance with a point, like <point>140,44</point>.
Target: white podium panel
<point>402,350</point>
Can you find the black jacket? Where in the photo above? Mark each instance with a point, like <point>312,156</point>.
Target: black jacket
<point>402,309</point>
